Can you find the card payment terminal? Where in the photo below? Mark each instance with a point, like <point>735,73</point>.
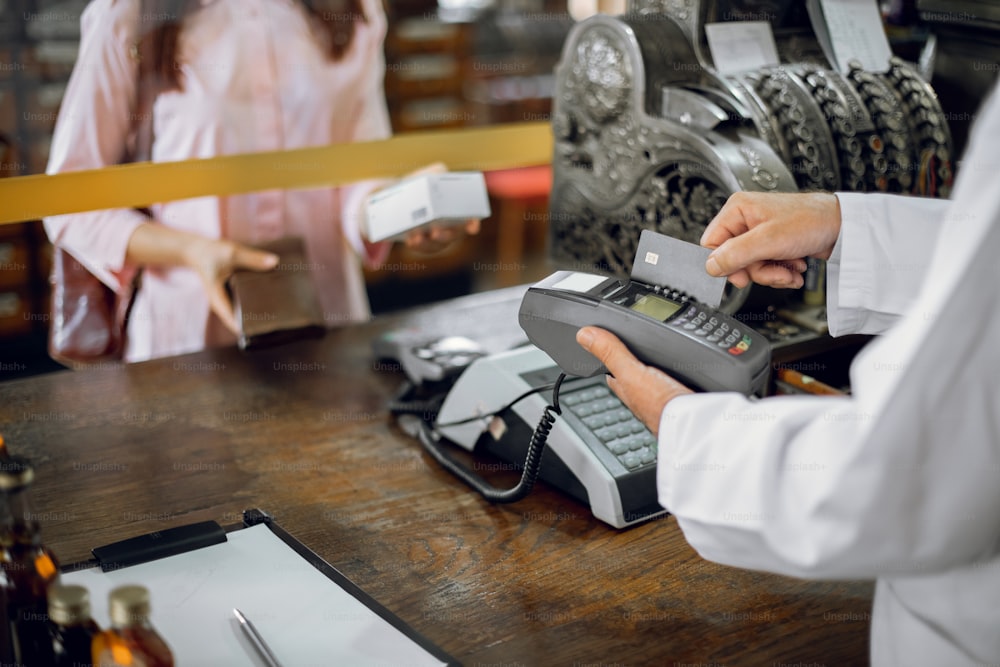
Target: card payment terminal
<point>663,326</point>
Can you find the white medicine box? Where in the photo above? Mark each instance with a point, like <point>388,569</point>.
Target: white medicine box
<point>445,199</point>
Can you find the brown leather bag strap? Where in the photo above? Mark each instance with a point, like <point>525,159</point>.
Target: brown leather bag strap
<point>146,51</point>
<point>142,120</point>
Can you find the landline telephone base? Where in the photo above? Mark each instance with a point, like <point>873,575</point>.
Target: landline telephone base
<point>598,452</point>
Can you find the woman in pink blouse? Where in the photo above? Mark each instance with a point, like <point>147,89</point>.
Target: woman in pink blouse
<point>233,76</point>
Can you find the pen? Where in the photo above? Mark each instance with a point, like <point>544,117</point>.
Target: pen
<point>258,642</point>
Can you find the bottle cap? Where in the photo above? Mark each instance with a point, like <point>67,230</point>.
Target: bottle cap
<point>15,472</point>
<point>128,605</point>
<point>69,604</point>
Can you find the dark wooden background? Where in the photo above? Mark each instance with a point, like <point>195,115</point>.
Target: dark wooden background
<point>302,432</point>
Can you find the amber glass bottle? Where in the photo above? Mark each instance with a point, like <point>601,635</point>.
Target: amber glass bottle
<point>131,641</point>
<point>72,628</point>
<point>28,569</point>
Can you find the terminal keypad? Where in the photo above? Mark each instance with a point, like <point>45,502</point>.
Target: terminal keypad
<point>704,325</point>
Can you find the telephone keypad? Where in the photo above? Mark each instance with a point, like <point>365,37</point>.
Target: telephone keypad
<point>618,447</point>
<point>631,460</point>
<point>613,425</point>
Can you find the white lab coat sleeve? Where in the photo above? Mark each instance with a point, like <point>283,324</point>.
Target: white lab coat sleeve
<point>880,259</point>
<point>878,484</point>
<point>900,478</point>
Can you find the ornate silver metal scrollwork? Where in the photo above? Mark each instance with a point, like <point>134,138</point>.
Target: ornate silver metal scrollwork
<point>649,135</point>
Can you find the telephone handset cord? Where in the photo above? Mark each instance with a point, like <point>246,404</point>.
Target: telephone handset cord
<point>532,460</point>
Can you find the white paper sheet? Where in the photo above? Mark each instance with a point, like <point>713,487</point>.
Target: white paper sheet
<point>851,30</point>
<point>738,46</point>
<point>305,617</point>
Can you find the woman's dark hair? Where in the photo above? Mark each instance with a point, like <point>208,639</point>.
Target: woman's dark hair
<point>161,22</point>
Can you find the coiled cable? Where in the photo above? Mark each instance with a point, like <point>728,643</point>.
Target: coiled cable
<point>532,461</point>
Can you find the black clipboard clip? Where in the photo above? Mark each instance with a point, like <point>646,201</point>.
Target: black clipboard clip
<point>170,542</point>
<point>158,544</point>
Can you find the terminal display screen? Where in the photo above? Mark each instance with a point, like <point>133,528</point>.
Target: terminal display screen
<point>656,307</point>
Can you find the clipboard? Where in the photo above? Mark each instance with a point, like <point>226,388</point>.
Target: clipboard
<point>307,611</point>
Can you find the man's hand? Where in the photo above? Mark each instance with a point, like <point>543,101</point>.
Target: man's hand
<point>644,389</point>
<point>765,237</point>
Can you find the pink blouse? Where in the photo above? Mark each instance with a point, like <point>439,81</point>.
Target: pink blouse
<point>254,79</point>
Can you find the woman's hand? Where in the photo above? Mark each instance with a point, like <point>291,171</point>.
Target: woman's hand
<point>215,261</point>
<point>765,237</point>
<point>435,238</point>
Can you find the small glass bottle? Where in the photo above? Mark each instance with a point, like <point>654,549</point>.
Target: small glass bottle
<point>28,568</point>
<point>131,641</point>
<point>72,628</point>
